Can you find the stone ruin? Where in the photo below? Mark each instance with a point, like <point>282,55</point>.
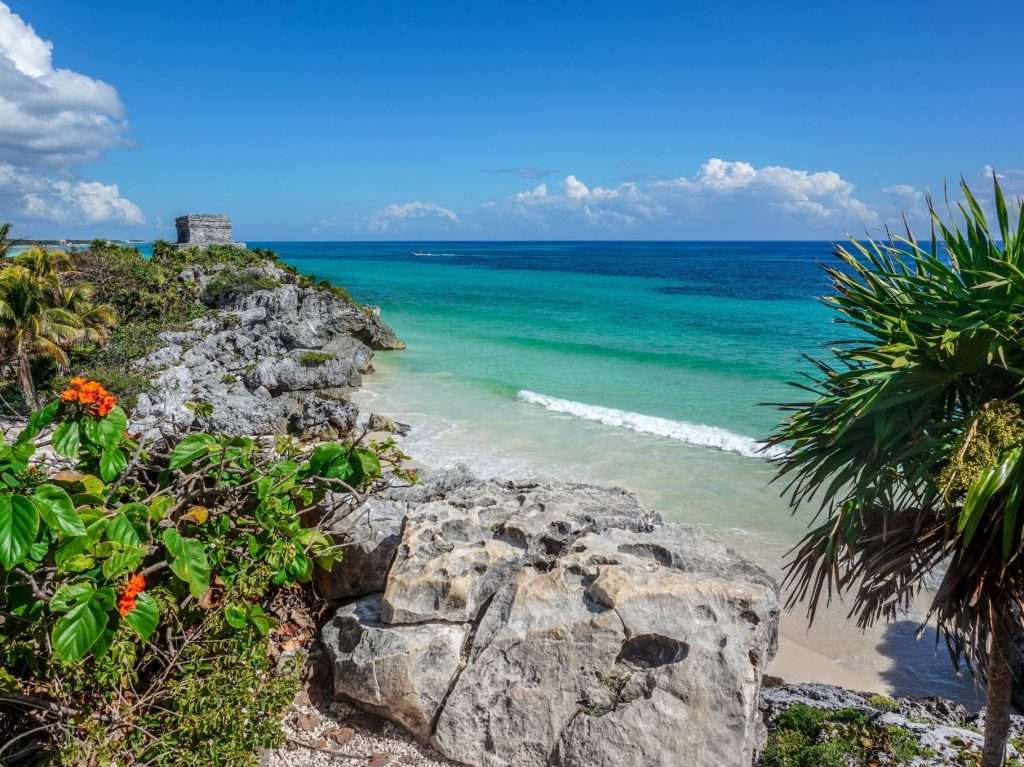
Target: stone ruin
<point>202,229</point>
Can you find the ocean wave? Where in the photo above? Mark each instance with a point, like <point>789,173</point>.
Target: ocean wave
<point>438,255</point>
<point>697,434</point>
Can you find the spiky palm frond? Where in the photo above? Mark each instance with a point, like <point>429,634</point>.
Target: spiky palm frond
<point>936,339</point>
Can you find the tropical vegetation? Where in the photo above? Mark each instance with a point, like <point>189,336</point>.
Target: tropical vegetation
<point>146,589</point>
<point>44,313</point>
<point>910,441</point>
<point>154,597</point>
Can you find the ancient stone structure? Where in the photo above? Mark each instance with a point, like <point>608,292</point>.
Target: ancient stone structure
<point>200,229</point>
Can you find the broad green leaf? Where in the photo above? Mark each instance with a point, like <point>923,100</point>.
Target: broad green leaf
<point>66,439</point>
<point>71,595</point>
<point>19,523</point>
<point>159,506</point>
<point>77,631</point>
<point>121,530</point>
<point>260,619</point>
<point>324,455</point>
<point>190,449</point>
<point>188,561</point>
<point>112,462</point>
<point>103,643</point>
<point>93,484</point>
<point>39,420</point>
<point>145,617</point>
<point>301,567</point>
<point>108,431</point>
<point>123,560</point>
<point>78,563</point>
<point>367,465</point>
<point>236,615</point>
<point>57,510</point>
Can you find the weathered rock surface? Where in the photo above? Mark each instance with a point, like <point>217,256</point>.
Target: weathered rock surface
<point>369,538</point>
<point>593,634</point>
<point>402,673</point>
<point>282,359</point>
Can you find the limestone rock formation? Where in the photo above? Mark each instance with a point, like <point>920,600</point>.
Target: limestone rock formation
<point>281,358</point>
<point>402,673</point>
<point>593,634</point>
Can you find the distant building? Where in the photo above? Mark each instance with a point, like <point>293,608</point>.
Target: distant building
<point>201,229</point>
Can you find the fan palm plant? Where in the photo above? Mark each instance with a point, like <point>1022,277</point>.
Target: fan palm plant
<point>42,316</point>
<point>30,325</point>
<point>911,443</point>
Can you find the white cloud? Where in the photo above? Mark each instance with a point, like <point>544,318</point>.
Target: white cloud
<point>63,200</point>
<point>47,115</point>
<point>383,220</point>
<point>721,191</point>
<point>901,190</point>
<point>51,120</point>
<point>821,194</point>
<point>538,194</point>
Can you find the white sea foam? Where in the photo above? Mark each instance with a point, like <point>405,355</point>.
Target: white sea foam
<point>427,253</point>
<point>697,434</point>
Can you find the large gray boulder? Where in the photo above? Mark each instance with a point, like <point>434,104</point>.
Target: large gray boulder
<point>596,636</point>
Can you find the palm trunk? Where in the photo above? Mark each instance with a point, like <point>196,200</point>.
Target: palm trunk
<point>25,378</point>
<point>997,704</point>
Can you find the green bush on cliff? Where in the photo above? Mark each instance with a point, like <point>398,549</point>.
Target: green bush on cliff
<point>228,285</point>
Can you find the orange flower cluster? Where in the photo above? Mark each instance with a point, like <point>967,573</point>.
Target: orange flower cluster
<point>135,586</point>
<point>91,395</point>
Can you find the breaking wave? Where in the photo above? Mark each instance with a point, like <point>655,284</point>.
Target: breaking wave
<point>697,434</point>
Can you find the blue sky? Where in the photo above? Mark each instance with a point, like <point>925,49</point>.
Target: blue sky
<point>378,120</point>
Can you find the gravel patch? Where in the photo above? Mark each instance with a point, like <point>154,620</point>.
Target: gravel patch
<point>338,735</point>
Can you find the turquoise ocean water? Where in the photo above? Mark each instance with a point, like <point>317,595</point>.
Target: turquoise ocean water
<point>635,364</point>
<point>642,364</point>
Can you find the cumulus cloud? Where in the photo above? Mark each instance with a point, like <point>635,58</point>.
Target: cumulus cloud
<point>384,219</point>
<point>625,204</point>
<point>823,194</point>
<point>64,200</point>
<point>48,115</point>
<point>721,190</point>
<point>52,119</point>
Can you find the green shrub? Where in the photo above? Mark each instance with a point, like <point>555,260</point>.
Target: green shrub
<point>228,378</point>
<point>805,736</point>
<point>139,588</point>
<point>228,285</point>
<point>884,702</point>
<point>314,359</point>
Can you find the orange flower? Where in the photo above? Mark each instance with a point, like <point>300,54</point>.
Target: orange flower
<point>91,395</point>
<point>135,586</point>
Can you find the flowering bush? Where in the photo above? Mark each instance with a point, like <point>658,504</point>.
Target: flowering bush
<point>194,539</point>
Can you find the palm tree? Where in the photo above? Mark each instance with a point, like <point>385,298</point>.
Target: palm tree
<point>5,242</point>
<point>40,315</point>
<point>911,445</point>
<point>31,325</point>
